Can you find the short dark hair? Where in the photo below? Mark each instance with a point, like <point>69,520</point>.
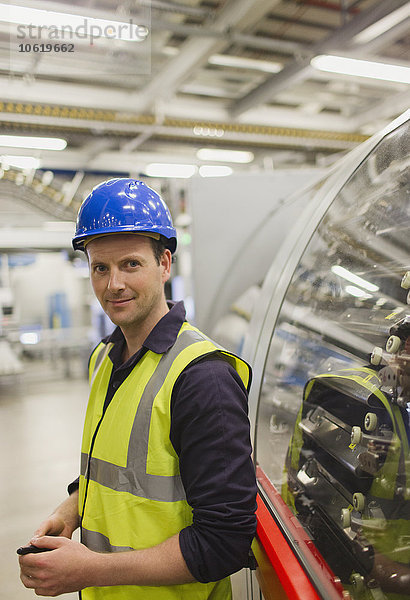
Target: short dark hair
<point>158,247</point>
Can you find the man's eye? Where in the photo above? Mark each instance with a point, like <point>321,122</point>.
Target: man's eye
<point>133,263</point>
<point>100,269</point>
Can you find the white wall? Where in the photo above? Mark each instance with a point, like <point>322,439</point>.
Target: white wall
<point>33,284</point>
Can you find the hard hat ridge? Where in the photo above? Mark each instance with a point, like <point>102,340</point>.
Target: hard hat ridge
<point>123,205</point>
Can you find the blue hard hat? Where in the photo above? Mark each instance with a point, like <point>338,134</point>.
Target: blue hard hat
<point>123,206</point>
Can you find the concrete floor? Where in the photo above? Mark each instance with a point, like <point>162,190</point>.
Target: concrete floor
<point>41,416</point>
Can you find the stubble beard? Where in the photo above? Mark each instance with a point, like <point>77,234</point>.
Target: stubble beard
<point>139,315</point>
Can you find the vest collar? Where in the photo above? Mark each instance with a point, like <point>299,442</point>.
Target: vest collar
<point>159,340</point>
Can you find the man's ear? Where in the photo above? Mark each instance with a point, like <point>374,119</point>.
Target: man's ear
<point>165,264</point>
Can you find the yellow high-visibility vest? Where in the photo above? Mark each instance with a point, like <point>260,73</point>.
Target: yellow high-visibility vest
<point>131,494</point>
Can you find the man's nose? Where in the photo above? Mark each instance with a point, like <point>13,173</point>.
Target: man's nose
<point>116,281</point>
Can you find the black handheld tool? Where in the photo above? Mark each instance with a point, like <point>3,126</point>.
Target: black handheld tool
<point>31,550</point>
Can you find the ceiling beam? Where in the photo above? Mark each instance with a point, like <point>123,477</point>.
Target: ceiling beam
<point>76,160</point>
<point>380,112</point>
<point>195,51</point>
<point>229,36</point>
<point>179,121</point>
<point>385,39</point>
<point>299,68</point>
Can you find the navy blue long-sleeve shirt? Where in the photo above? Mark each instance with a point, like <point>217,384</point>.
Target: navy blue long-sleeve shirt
<point>210,434</point>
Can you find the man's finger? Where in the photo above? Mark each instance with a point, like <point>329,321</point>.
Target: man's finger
<point>28,581</point>
<point>48,541</point>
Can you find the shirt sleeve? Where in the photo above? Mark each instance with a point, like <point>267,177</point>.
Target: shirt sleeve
<point>210,433</point>
<point>73,486</point>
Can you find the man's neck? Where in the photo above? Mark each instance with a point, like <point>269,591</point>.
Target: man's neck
<point>135,336</point>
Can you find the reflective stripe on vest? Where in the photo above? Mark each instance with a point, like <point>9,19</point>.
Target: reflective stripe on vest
<point>100,352</point>
<point>133,473</point>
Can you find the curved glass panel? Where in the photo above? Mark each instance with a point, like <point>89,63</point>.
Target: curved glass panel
<point>333,426</point>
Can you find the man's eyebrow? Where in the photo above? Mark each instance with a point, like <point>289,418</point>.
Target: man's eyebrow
<point>95,261</point>
<point>135,256</point>
<point>125,258</point>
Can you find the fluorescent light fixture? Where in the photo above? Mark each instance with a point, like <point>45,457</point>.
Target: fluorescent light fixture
<point>47,177</point>
<point>349,276</point>
<point>383,25</point>
<point>170,170</point>
<point>208,131</point>
<point>29,338</point>
<point>170,51</point>
<point>357,292</point>
<point>80,25</point>
<point>225,60</point>
<point>59,226</point>
<point>21,162</point>
<point>215,171</point>
<point>361,68</point>
<point>381,301</point>
<point>219,154</point>
<point>38,143</point>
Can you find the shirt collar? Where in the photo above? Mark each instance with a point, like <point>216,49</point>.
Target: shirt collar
<point>163,335</point>
<point>165,332</point>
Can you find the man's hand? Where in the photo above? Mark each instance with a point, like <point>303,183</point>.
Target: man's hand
<point>64,520</point>
<point>63,570</point>
<point>71,566</point>
<point>54,525</point>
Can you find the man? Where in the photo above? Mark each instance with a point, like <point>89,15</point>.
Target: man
<point>166,497</point>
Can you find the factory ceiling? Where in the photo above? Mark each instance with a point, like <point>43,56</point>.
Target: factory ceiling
<point>135,82</point>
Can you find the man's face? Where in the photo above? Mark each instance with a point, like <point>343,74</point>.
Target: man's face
<point>126,278</point>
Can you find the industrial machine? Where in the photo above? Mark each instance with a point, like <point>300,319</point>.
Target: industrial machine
<point>329,342</point>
